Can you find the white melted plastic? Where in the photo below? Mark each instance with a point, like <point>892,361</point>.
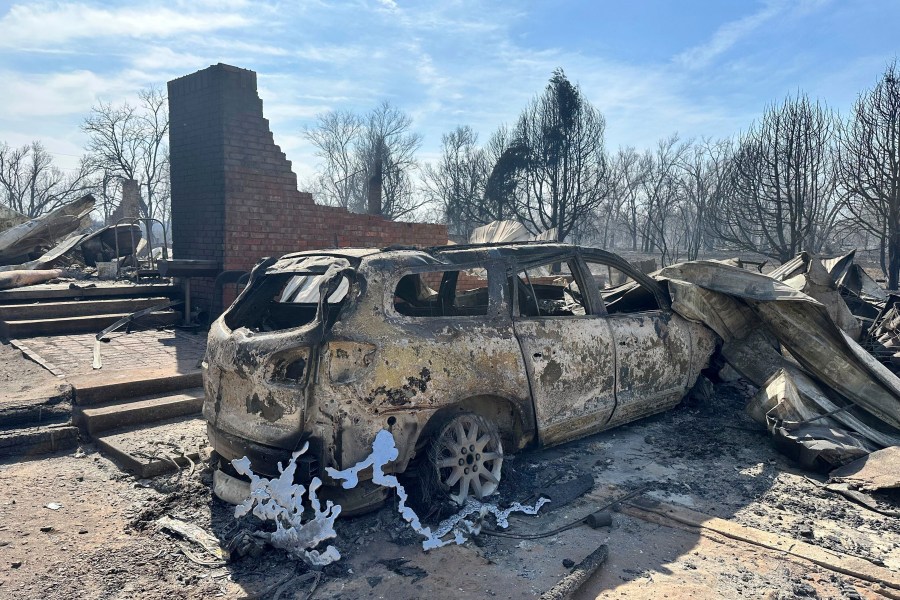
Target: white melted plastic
<point>280,500</point>
<point>384,450</point>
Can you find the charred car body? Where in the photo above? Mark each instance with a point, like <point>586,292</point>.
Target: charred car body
<point>459,351</point>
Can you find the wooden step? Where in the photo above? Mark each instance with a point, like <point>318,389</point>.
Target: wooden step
<point>138,411</point>
<point>85,324</point>
<point>150,450</point>
<point>120,386</point>
<point>77,308</point>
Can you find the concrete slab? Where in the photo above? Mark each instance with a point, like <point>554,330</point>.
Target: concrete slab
<point>150,450</point>
<point>47,403</point>
<point>145,409</point>
<point>72,355</point>
<point>29,441</point>
<point>102,387</point>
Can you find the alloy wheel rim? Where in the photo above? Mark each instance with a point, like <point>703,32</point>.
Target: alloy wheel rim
<point>469,458</point>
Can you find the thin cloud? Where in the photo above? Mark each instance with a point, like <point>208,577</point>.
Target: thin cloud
<point>727,36</point>
<point>41,25</point>
<point>444,63</point>
<point>228,44</point>
<point>58,94</point>
<point>157,59</point>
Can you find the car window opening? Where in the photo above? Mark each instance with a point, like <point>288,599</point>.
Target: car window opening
<point>458,294</point>
<point>541,294</point>
<point>286,301</point>
<point>621,293</point>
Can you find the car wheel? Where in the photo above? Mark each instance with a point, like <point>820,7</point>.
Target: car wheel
<point>466,457</point>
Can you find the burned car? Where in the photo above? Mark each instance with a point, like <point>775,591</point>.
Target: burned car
<point>461,352</point>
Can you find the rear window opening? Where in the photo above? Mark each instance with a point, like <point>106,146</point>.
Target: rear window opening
<point>287,301</point>
<point>457,293</point>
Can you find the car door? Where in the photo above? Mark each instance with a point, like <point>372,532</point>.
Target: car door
<point>568,352</point>
<point>653,357</point>
<point>652,344</point>
<point>446,337</point>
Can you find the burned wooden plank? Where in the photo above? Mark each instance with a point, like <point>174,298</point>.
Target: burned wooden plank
<point>16,279</point>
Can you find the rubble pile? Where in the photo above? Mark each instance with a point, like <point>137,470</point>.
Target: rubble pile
<point>30,248</point>
<point>801,334</point>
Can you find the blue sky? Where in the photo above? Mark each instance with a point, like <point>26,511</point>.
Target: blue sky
<point>653,67</point>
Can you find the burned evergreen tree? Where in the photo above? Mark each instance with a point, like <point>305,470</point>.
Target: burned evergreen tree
<point>506,175</point>
<point>564,170</point>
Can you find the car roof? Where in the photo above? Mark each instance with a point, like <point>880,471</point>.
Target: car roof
<point>340,252</point>
<point>523,252</point>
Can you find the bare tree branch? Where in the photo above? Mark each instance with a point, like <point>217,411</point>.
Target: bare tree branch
<point>31,184</point>
<point>132,143</point>
<point>782,197</point>
<point>355,148</point>
<point>870,166</point>
<point>457,182</point>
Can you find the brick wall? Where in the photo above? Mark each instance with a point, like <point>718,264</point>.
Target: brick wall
<point>234,193</point>
<point>197,169</point>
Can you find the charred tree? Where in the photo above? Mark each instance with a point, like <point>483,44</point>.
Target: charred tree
<point>336,137</point>
<point>566,175</point>
<point>630,169</point>
<point>703,179</point>
<point>32,185</point>
<point>782,193</point>
<point>131,142</point>
<point>456,183</point>
<point>359,151</point>
<point>508,159</point>
<point>870,166</point>
<point>662,191</point>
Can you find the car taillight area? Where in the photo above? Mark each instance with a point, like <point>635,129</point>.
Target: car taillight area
<point>289,367</point>
<point>262,352</point>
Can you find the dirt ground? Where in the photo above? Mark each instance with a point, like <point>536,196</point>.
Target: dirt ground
<point>72,526</point>
<point>20,377</point>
